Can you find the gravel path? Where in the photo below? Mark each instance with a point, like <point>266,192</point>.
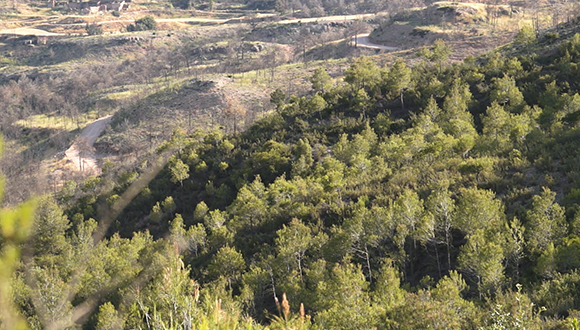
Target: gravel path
<point>81,153</point>
<point>29,31</point>
<point>363,41</point>
<point>337,18</point>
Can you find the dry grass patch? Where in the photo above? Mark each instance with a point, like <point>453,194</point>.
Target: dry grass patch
<point>58,122</point>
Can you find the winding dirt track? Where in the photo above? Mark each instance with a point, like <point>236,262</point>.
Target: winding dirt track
<point>38,32</point>
<point>81,153</point>
<point>336,18</point>
<point>363,41</point>
<point>27,31</point>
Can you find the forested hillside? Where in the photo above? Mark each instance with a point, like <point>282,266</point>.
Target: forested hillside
<point>399,197</point>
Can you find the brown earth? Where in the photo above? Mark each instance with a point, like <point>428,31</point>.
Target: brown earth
<point>81,153</point>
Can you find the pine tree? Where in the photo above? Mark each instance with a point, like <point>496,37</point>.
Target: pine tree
<point>179,170</point>
<point>442,206</point>
<point>292,243</point>
<point>320,80</point>
<point>546,222</point>
<point>506,93</point>
<point>399,80</point>
<point>227,263</point>
<point>483,258</point>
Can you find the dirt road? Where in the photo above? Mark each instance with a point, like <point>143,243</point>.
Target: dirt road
<point>363,41</point>
<point>38,32</point>
<point>81,153</point>
<point>336,18</point>
<point>25,31</point>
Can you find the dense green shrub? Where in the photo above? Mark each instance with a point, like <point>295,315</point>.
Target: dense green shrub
<point>143,24</point>
<point>94,29</point>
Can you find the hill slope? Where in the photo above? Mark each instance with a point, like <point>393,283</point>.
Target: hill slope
<point>366,210</point>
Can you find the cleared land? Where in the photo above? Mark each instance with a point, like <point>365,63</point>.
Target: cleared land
<point>27,31</point>
<point>81,153</point>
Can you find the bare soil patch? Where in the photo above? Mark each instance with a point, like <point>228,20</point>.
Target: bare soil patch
<point>81,153</point>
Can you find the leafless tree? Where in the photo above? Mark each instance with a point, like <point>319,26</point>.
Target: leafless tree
<point>396,6</point>
<point>536,16</point>
<point>303,41</point>
<point>356,28</point>
<point>85,150</point>
<point>272,62</point>
<point>233,111</point>
<point>492,10</point>
<point>558,11</point>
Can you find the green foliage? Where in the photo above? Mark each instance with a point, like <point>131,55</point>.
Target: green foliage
<point>67,192</point>
<point>344,299</point>
<point>50,227</point>
<point>183,4</point>
<point>273,159</point>
<point>497,127</point>
<point>363,73</point>
<point>546,222</point>
<point>335,205</point>
<point>108,318</point>
<point>457,103</point>
<point>320,80</point>
<point>277,98</point>
<point>408,212</point>
<point>93,29</point>
<point>249,209</point>
<point>525,36</point>
<point>292,244</point>
<point>552,36</point>
<point>563,258</point>
<point>16,224</point>
<point>557,295</point>
<point>440,308</point>
<point>304,161</point>
<point>179,170</point>
<point>398,80</point>
<point>483,259</point>
<point>479,210</point>
<point>441,207</point>
<point>513,310</point>
<point>200,212</point>
<point>227,263</point>
<point>438,53</point>
<point>143,24</point>
<point>388,294</point>
<point>571,48</point>
<point>506,93</point>
<point>316,104</point>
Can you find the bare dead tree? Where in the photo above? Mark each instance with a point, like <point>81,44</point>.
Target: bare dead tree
<point>491,9</point>
<point>558,12</point>
<point>535,13</point>
<point>272,61</point>
<point>358,27</point>
<point>303,41</point>
<point>233,111</point>
<point>394,7</point>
